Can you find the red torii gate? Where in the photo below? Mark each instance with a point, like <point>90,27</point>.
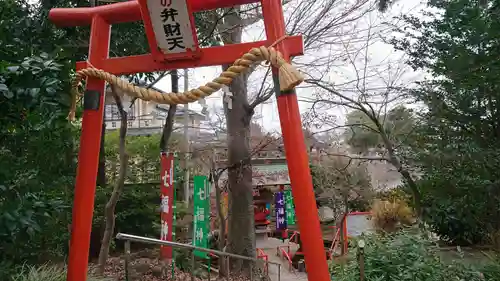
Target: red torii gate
<point>100,19</point>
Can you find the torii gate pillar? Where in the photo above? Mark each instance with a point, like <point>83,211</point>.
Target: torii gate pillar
<point>101,18</point>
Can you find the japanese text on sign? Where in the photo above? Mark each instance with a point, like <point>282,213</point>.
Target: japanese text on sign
<point>201,213</point>
<point>164,230</point>
<point>167,179</point>
<point>290,208</point>
<point>167,194</point>
<point>165,207</point>
<point>280,211</point>
<point>172,25</point>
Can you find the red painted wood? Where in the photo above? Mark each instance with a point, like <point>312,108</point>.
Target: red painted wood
<point>88,160</point>
<point>126,11</point>
<point>167,190</point>
<point>296,155</point>
<point>209,57</point>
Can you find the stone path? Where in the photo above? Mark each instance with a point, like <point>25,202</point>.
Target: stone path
<point>269,246</point>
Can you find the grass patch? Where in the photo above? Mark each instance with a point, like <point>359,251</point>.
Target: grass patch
<point>47,273</point>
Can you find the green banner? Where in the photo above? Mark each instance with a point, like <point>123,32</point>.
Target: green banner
<point>290,208</point>
<point>201,213</point>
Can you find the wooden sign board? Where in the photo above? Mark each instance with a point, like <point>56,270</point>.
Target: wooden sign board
<point>170,28</point>
<point>266,175</point>
<point>358,223</point>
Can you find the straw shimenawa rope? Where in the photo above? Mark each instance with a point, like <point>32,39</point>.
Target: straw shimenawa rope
<point>289,78</point>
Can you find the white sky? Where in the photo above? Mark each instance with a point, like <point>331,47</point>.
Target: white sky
<point>379,53</point>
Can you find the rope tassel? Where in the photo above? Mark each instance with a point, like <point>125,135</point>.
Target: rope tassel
<point>289,78</point>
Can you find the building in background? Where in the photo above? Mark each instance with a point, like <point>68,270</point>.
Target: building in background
<point>148,117</point>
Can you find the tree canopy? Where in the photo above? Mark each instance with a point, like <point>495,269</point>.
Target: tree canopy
<point>37,144</point>
<point>362,134</point>
<point>457,145</point>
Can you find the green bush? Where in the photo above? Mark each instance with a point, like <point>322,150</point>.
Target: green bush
<point>136,211</point>
<point>37,162</point>
<point>460,204</point>
<point>458,207</point>
<point>408,256</point>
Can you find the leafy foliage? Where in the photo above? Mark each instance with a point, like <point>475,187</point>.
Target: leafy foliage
<point>137,211</point>
<point>457,144</point>
<point>25,31</point>
<point>34,196</point>
<point>408,256</point>
<point>37,144</point>
<point>383,5</point>
<point>144,157</point>
<point>362,134</point>
<point>457,208</point>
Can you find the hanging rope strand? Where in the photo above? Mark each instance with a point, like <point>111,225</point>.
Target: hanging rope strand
<point>289,78</point>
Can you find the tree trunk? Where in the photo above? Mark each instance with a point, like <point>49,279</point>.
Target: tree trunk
<point>241,227</point>
<point>109,210</point>
<point>169,122</point>
<point>222,221</point>
<point>394,160</point>
<point>417,197</point>
<point>241,232</point>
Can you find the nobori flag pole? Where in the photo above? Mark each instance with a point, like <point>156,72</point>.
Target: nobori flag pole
<point>177,48</point>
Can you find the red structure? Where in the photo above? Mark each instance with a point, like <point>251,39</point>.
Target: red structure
<point>167,199</point>
<point>260,214</point>
<point>345,232</point>
<point>100,19</point>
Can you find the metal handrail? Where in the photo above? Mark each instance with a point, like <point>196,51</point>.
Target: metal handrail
<point>336,239</point>
<point>286,256</point>
<point>129,237</point>
<point>294,235</point>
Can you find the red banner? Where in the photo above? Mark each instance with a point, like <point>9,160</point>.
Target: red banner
<point>167,198</point>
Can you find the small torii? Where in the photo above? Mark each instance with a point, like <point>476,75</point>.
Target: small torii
<point>228,97</point>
